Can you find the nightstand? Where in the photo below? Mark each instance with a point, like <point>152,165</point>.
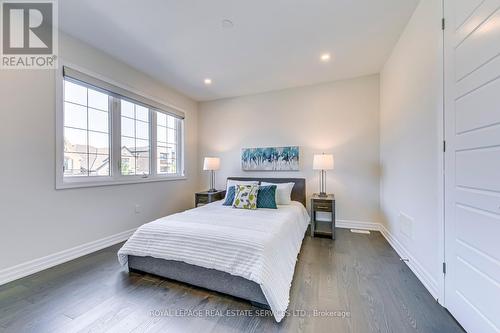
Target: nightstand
<point>205,197</point>
<point>323,204</point>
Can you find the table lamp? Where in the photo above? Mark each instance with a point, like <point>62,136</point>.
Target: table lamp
<point>211,164</point>
<point>323,162</point>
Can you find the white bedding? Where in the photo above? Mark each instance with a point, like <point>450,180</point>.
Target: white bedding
<point>260,245</point>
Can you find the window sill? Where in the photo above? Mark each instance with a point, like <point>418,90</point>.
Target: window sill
<point>61,185</point>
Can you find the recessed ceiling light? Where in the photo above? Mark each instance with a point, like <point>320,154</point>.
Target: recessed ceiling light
<point>208,81</point>
<point>227,24</point>
<point>325,57</point>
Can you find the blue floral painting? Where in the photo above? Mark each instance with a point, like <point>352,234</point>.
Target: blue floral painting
<point>270,159</point>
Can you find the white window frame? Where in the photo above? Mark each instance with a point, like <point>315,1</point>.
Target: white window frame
<point>116,178</point>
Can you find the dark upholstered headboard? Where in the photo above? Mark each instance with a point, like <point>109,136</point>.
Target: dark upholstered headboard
<point>298,191</point>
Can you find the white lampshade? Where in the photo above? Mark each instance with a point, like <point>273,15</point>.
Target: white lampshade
<point>323,162</point>
<point>211,163</point>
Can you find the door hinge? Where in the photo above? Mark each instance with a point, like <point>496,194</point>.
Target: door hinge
<point>443,23</point>
<point>444,146</point>
<point>444,268</point>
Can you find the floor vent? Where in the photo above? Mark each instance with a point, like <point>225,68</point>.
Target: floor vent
<point>359,231</point>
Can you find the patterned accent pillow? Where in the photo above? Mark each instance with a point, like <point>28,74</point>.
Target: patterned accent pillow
<point>266,197</point>
<point>246,196</point>
<point>229,196</point>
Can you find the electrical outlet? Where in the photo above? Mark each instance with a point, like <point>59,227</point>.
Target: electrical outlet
<point>137,209</point>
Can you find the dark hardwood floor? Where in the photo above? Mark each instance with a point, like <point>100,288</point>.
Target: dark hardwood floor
<point>358,278</point>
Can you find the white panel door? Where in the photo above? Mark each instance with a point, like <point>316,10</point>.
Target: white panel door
<point>472,163</point>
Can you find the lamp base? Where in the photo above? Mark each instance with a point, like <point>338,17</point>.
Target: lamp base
<point>322,195</point>
<point>212,190</point>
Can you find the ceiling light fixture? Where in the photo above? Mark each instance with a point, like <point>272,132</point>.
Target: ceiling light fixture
<point>325,57</point>
<point>208,81</point>
<point>227,24</point>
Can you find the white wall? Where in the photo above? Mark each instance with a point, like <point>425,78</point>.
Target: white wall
<point>35,219</point>
<point>339,117</point>
<point>410,143</point>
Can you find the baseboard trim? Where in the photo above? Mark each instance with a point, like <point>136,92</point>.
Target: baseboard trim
<point>420,272</point>
<point>30,267</point>
<point>349,224</point>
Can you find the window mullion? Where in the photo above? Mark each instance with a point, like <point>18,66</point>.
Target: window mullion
<point>87,132</point>
<point>135,141</point>
<point>179,147</point>
<point>153,168</point>
<point>115,136</point>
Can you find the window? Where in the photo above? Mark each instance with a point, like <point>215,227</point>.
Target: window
<point>86,131</point>
<point>135,143</point>
<point>167,143</point>
<point>109,135</point>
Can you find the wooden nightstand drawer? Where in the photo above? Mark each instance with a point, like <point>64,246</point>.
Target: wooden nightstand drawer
<point>203,199</point>
<point>322,205</point>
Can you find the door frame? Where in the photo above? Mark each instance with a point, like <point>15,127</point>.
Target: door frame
<point>447,102</point>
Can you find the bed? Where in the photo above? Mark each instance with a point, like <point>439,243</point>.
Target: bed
<point>249,254</point>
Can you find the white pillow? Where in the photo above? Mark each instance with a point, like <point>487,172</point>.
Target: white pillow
<point>283,192</point>
<point>231,182</point>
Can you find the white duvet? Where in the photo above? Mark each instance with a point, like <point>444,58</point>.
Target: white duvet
<point>260,245</point>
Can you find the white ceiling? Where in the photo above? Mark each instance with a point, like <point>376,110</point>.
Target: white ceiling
<point>274,44</point>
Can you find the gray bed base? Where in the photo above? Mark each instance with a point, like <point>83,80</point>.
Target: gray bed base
<point>201,277</point>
